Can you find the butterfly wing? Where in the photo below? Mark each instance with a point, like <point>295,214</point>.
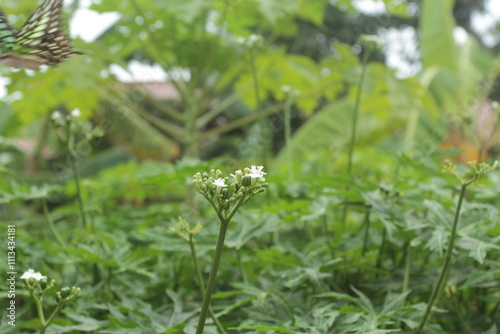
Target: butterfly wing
<point>42,39</point>
<point>7,34</point>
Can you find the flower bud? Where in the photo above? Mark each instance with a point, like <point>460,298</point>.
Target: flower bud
<point>65,292</point>
<point>246,181</point>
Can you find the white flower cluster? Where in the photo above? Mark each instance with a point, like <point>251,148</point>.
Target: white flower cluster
<point>32,274</point>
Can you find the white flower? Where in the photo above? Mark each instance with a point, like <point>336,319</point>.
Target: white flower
<point>76,113</point>
<point>56,115</point>
<point>220,183</point>
<point>32,274</point>
<point>256,174</point>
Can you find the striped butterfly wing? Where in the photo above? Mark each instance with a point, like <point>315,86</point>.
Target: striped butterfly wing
<point>41,40</point>
<point>7,34</point>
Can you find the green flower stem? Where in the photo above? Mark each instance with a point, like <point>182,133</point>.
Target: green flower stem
<point>262,124</point>
<point>211,278</point>
<point>43,324</point>
<point>79,193</point>
<point>51,224</point>
<point>447,261</point>
<point>52,316</point>
<point>364,249</point>
<point>356,111</point>
<point>39,310</point>
<point>288,137</point>
<point>352,141</point>
<point>76,176</point>
<point>406,279</point>
<point>201,284</point>
<point>240,265</point>
<point>329,238</point>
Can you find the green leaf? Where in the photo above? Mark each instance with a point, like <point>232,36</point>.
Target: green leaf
<point>273,10</point>
<point>438,45</point>
<point>478,252</point>
<point>492,330</point>
<point>188,10</point>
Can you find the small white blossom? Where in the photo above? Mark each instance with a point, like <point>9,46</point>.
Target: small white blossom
<point>32,274</point>
<point>220,183</point>
<point>56,115</point>
<point>76,113</point>
<point>256,174</point>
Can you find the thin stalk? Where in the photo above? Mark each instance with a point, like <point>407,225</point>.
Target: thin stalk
<point>201,284</point>
<point>329,241</point>
<point>78,192</point>
<point>240,265</point>
<point>73,156</point>
<point>43,324</point>
<point>52,316</point>
<point>406,279</point>
<point>260,112</point>
<point>367,232</point>
<point>381,250</point>
<point>50,223</point>
<point>211,278</point>
<point>447,261</point>
<point>354,127</point>
<point>288,136</point>
<point>356,111</point>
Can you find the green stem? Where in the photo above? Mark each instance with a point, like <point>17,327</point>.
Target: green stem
<point>211,278</point>
<point>52,316</point>
<point>240,265</point>
<point>381,250</point>
<point>328,235</point>
<point>406,279</point>
<point>356,112</point>
<point>439,285</point>
<point>288,136</point>
<point>79,193</point>
<point>39,310</point>
<point>263,129</point>
<point>201,284</point>
<point>352,141</point>
<point>367,233</point>
<point>50,223</point>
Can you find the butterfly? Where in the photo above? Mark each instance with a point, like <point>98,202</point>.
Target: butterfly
<point>40,41</point>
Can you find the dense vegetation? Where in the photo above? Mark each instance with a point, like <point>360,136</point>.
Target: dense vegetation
<point>357,223</point>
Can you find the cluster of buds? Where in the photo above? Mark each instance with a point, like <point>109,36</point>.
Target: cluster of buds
<point>244,185</point>
<point>35,280</point>
<point>184,230</point>
<point>369,42</point>
<point>60,119</point>
<point>66,294</point>
<point>290,92</point>
<point>72,123</point>
<point>475,170</point>
<point>251,42</point>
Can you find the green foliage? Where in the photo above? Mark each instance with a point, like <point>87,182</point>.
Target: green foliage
<point>320,251</point>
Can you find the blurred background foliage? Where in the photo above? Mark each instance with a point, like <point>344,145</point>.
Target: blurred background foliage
<point>223,104</point>
<point>210,101</point>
